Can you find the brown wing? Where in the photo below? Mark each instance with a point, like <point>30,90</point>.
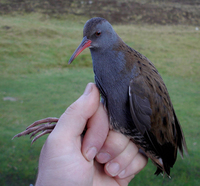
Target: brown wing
<point>154,116</point>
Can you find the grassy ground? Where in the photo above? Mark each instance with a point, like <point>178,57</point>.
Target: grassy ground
<point>34,52</point>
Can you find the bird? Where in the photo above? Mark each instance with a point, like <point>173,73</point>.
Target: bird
<point>134,94</point>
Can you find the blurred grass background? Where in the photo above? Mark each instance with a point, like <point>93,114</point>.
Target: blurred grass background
<point>34,50</point>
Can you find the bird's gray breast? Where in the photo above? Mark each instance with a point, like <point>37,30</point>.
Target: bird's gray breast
<point>113,82</point>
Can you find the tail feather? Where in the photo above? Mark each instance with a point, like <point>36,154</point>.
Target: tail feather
<point>181,139</point>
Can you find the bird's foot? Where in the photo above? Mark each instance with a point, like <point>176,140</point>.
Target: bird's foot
<point>45,126</point>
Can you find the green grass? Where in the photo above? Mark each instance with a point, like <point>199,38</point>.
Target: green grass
<point>33,69</point>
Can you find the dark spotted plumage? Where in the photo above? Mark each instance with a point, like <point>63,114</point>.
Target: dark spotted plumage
<point>134,94</point>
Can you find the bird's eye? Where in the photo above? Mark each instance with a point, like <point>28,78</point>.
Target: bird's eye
<point>98,33</point>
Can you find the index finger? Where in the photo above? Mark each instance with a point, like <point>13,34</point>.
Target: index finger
<point>96,134</point>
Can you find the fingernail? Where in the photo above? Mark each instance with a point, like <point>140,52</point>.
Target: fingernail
<point>88,89</point>
<point>91,153</point>
<point>103,157</point>
<point>113,168</point>
<point>121,174</point>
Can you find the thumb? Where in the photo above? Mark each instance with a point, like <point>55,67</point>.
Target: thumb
<point>73,120</point>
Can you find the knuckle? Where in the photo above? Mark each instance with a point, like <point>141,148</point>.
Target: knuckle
<point>71,109</point>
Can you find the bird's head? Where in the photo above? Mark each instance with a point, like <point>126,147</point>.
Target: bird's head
<point>98,34</point>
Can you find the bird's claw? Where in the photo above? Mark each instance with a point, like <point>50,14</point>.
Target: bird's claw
<point>45,126</point>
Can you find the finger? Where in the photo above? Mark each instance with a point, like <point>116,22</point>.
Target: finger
<point>138,163</point>
<point>72,123</point>
<point>97,131</point>
<point>113,146</point>
<point>119,163</point>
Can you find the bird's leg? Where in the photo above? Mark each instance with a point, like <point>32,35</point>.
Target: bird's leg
<point>44,126</point>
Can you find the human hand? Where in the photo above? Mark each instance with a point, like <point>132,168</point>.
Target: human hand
<point>66,159</point>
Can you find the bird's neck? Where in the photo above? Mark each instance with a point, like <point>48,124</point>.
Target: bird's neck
<point>111,66</point>
<point>107,62</point>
